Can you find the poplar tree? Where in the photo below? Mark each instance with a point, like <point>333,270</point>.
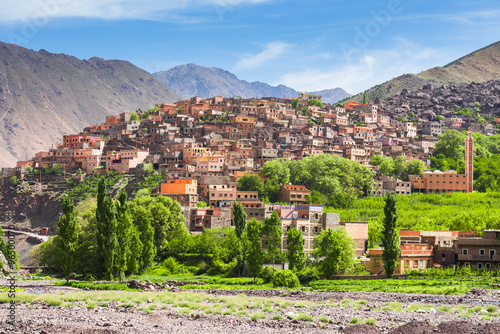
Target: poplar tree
<point>390,237</point>
<point>295,247</point>
<point>123,234</point>
<point>146,235</point>
<point>134,263</point>
<point>67,232</point>
<point>239,218</point>
<point>273,231</point>
<point>108,236</point>
<point>254,256</point>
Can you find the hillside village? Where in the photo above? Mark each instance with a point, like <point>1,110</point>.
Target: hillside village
<point>202,147</point>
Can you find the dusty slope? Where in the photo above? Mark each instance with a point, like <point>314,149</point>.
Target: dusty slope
<point>45,95</point>
<point>479,66</point>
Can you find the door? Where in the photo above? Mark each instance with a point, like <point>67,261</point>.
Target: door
<point>421,264</point>
<point>492,253</point>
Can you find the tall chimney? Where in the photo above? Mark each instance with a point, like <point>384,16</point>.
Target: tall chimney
<point>469,161</point>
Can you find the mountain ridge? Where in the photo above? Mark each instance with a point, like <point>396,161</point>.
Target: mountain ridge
<point>478,66</point>
<point>190,80</point>
<point>45,95</point>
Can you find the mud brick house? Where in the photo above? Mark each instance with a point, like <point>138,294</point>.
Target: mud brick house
<point>413,256</point>
<point>184,191</point>
<point>482,253</point>
<point>293,194</point>
<point>207,218</point>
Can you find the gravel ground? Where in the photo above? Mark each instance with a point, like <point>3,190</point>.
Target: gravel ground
<point>38,317</point>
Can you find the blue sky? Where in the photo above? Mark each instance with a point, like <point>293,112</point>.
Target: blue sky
<point>307,45</point>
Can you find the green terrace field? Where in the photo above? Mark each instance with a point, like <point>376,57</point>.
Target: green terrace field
<point>447,285</point>
<point>453,211</point>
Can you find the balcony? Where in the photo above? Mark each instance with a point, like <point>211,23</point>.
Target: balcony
<point>470,257</point>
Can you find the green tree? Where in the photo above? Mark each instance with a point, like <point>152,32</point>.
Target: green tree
<point>416,167</point>
<point>109,242</point>
<point>239,218</point>
<point>251,183</point>
<point>79,172</point>
<point>390,237</point>
<point>295,248</point>
<point>201,204</point>
<point>400,167</point>
<point>452,145</point>
<point>376,160</point>
<point>365,97</point>
<point>134,262</point>
<point>295,104</point>
<point>254,256</point>
<point>123,234</point>
<point>67,232</point>
<point>273,231</point>
<point>134,117</point>
<point>164,214</point>
<point>315,198</point>
<point>334,250</point>
<point>146,235</point>
<point>387,167</point>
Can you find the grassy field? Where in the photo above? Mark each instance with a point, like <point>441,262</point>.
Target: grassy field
<point>429,285</point>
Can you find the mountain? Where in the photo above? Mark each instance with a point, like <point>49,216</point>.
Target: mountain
<point>194,80</point>
<point>45,95</point>
<point>479,66</point>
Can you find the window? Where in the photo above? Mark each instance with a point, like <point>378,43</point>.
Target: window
<point>479,266</point>
<point>487,266</point>
<point>428,264</point>
<point>407,263</point>
<point>303,228</point>
<point>467,264</point>
<point>465,251</point>
<point>482,252</point>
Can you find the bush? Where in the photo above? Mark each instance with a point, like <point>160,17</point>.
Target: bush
<point>285,278</point>
<point>202,268</point>
<point>171,264</point>
<point>267,274</point>
<point>307,275</point>
<point>219,267</point>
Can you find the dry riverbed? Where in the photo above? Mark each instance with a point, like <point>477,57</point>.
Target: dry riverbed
<point>51,309</point>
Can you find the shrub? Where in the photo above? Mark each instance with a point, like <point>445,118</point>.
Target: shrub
<point>267,274</point>
<point>202,268</point>
<point>285,278</point>
<point>307,275</point>
<point>219,267</point>
<point>171,264</point>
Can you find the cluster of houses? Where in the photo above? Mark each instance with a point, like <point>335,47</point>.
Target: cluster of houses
<point>431,249</point>
<point>203,146</point>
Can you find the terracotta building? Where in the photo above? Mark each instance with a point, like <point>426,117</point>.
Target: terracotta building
<point>293,194</point>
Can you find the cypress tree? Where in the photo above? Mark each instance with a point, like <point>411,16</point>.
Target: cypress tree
<point>108,236</point>
<point>147,234</point>
<point>123,234</point>
<point>67,232</point>
<point>239,218</point>
<point>390,237</point>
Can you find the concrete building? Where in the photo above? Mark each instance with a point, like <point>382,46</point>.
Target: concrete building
<point>481,253</point>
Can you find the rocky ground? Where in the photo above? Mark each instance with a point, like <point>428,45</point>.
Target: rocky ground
<point>340,308</point>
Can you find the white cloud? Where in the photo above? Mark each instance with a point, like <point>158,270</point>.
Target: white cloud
<point>111,9</point>
<point>271,51</point>
<point>371,68</point>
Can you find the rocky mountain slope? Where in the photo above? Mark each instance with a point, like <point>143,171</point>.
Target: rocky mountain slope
<point>45,95</point>
<point>479,66</point>
<point>429,101</point>
<point>194,80</point>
